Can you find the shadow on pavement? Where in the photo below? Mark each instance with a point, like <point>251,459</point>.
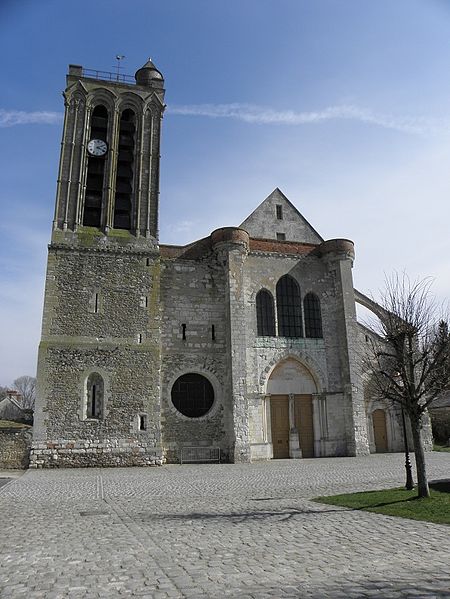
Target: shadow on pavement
<point>284,514</point>
<point>433,585</point>
<point>443,485</point>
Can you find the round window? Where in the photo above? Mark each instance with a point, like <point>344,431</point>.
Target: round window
<point>192,395</point>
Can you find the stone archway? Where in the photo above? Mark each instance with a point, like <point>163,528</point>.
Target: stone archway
<point>291,387</point>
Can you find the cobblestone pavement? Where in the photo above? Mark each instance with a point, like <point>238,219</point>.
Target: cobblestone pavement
<point>217,531</point>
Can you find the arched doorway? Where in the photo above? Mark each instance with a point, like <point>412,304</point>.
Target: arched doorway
<point>380,431</point>
<point>291,387</point>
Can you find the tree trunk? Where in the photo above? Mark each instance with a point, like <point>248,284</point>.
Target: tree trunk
<point>422,481</point>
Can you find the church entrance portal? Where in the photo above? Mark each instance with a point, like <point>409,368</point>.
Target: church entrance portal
<point>290,388</point>
<point>303,423</point>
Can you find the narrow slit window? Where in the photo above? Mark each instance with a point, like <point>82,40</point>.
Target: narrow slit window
<point>142,422</point>
<point>279,210</point>
<point>96,304</point>
<point>183,331</point>
<point>94,396</point>
<point>93,400</point>
<point>140,338</point>
<point>213,332</point>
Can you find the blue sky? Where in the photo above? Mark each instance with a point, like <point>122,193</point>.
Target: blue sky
<point>342,104</point>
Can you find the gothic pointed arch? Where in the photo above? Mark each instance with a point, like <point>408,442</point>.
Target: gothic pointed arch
<point>314,367</point>
<point>291,376</point>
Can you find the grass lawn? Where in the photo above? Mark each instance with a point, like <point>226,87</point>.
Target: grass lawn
<point>440,448</point>
<point>399,502</point>
<point>10,424</point>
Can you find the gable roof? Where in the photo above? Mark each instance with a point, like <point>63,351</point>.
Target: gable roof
<point>266,221</point>
<point>10,409</point>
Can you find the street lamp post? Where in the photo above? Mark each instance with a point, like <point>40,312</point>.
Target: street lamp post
<point>409,479</point>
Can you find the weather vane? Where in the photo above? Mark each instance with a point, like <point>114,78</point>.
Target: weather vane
<point>119,57</point>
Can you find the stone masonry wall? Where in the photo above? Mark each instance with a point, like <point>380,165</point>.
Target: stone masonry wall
<point>192,293</point>
<point>101,315</point>
<point>321,356</point>
<point>262,223</point>
<point>237,256</point>
<point>63,453</point>
<point>15,448</point>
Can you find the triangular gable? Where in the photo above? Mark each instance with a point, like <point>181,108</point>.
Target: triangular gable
<point>276,217</point>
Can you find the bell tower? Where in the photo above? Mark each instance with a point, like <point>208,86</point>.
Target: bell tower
<point>98,383</point>
<point>109,167</point>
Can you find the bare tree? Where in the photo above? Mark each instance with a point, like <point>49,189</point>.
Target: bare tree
<point>410,359</point>
<point>26,385</point>
<point>3,392</point>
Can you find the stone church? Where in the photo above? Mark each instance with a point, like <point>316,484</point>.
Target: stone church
<point>240,346</point>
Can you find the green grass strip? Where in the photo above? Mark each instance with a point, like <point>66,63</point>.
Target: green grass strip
<point>11,424</point>
<point>399,502</point>
<point>441,448</point>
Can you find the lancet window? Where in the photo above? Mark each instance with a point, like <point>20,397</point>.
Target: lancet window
<point>265,314</point>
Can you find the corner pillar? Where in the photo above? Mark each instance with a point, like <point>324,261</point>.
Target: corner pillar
<point>339,254</point>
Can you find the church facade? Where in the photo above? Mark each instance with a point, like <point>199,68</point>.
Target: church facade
<point>242,346</point>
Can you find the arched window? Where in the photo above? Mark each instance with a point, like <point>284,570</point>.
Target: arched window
<point>192,395</point>
<point>289,310</point>
<point>95,390</point>
<point>125,171</point>
<point>96,170</point>
<point>313,317</point>
<point>265,314</point>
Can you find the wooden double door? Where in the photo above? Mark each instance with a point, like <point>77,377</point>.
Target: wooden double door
<point>302,420</point>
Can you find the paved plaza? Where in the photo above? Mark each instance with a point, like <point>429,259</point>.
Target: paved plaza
<point>217,531</point>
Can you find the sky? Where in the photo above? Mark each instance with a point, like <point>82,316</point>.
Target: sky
<point>342,104</point>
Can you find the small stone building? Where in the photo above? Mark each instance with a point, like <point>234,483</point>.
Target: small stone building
<point>11,409</point>
<point>245,341</point>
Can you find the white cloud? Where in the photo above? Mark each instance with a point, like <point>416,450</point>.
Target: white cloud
<point>261,115</point>
<point>251,113</point>
<point>9,118</point>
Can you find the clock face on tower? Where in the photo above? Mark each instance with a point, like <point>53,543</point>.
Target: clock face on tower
<point>97,147</point>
